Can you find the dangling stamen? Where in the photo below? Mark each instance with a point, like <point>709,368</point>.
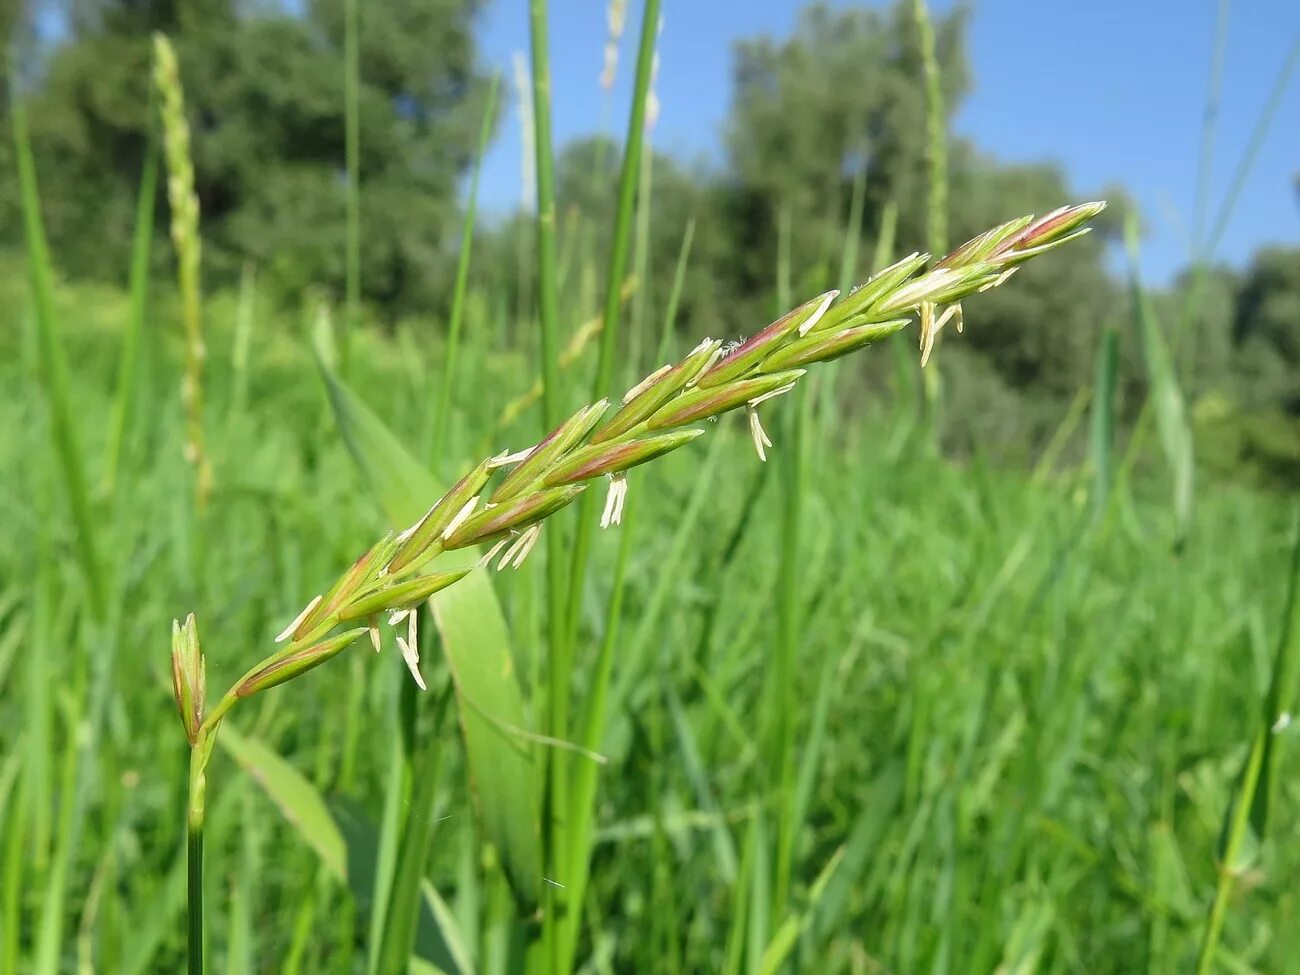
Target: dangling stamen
<point>517,552</point>
<point>410,649</point>
<point>758,433</point>
<point>927,331</point>
<point>613,513</point>
<point>494,551</point>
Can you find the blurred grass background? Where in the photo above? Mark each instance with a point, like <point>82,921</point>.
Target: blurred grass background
<point>1028,671</point>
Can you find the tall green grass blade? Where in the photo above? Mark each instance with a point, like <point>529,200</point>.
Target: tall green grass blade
<point>555,847</point>
<point>724,849</point>
<point>1246,820</point>
<point>128,374</point>
<point>241,348</point>
<point>500,758</point>
<point>457,315</point>
<point>402,914</point>
<point>390,833</point>
<point>1167,399</point>
<point>760,902</point>
<point>1280,699</point>
<point>781,703</point>
<point>566,597</point>
<point>1256,142</point>
<point>787,935</point>
<point>352,153</point>
<point>457,959</point>
<point>54,365</point>
<point>675,293</point>
<point>936,149</point>
<point>292,794</point>
<point>1208,131</point>
<point>15,860</point>
<point>1102,437</point>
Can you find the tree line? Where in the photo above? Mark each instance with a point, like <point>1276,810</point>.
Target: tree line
<point>264,84</point>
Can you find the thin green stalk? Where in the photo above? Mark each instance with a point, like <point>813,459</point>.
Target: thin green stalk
<point>417,840</point>
<point>547,295</point>
<point>595,707</point>
<point>1204,249</point>
<point>617,267</point>
<point>675,295</point>
<point>793,475</point>
<point>1208,129</point>
<point>449,369</point>
<point>54,365</point>
<point>554,831</point>
<point>195,810</point>
<point>1257,135</point>
<point>563,627</point>
<point>583,802</point>
<point>352,151</point>
<point>641,300</point>
<point>936,157</point>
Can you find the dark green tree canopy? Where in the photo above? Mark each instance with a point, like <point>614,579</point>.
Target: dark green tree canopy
<point>264,92</point>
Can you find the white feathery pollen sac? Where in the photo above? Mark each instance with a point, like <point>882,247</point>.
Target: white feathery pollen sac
<point>466,510</point>
<point>506,458</point>
<point>761,441</point>
<point>816,316</point>
<point>411,650</point>
<point>614,500</point>
<point>522,546</point>
<point>930,326</point>
<point>288,630</point>
<point>495,550</point>
<point>646,383</point>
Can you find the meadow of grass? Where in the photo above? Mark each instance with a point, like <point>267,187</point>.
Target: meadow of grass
<point>872,707</point>
<point>1019,722</point>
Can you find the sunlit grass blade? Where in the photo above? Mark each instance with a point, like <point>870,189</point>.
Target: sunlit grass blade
<point>352,170</point>
<point>1166,397</point>
<point>501,761</point>
<point>566,594</point>
<point>1246,819</point>
<point>293,795</point>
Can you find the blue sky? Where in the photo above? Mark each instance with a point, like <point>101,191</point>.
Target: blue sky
<point>1114,90</point>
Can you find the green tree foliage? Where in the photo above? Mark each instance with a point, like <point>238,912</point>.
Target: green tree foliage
<point>842,93</point>
<point>265,91</point>
<point>586,185</point>
<point>1266,327</point>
